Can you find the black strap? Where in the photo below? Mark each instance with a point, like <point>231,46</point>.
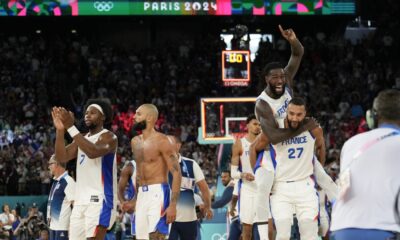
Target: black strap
<point>396,207</point>
<point>397,213</point>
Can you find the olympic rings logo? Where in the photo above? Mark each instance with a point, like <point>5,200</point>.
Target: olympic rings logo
<point>217,236</point>
<point>103,6</point>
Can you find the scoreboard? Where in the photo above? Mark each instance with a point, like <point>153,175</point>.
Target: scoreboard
<point>235,68</point>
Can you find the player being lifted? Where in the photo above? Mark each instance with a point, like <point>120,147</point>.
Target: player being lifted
<point>294,190</point>
<point>271,106</point>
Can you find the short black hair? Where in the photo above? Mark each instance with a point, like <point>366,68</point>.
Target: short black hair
<point>226,171</point>
<point>298,101</point>
<point>250,117</point>
<point>387,104</point>
<point>105,105</point>
<point>270,66</point>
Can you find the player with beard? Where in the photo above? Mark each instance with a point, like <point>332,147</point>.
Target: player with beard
<point>270,110</point>
<point>155,155</point>
<point>294,188</point>
<point>271,106</point>
<point>96,172</point>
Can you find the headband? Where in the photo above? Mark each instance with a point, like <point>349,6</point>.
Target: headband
<point>97,106</point>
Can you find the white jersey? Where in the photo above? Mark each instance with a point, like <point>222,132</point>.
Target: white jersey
<point>374,181</point>
<point>278,106</point>
<point>96,179</point>
<point>245,165</point>
<point>294,158</point>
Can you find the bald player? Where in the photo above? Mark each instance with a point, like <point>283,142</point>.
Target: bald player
<point>155,156</point>
<point>96,171</point>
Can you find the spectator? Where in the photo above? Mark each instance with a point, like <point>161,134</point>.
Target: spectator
<point>44,235</point>
<point>6,220</point>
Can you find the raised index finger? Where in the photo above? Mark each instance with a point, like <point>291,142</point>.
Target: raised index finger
<point>281,29</point>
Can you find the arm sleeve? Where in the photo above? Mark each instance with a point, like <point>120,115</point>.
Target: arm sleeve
<point>236,189</point>
<point>225,199</point>
<point>235,173</point>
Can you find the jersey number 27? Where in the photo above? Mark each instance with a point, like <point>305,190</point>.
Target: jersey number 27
<point>295,152</point>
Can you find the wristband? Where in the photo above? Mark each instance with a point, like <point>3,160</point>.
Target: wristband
<point>73,131</point>
<point>235,173</point>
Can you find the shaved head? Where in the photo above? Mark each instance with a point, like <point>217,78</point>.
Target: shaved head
<point>151,110</point>
<point>146,116</point>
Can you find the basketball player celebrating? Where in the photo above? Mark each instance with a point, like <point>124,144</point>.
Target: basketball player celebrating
<point>271,106</point>
<point>248,190</point>
<point>293,187</point>
<point>155,155</point>
<point>127,188</point>
<point>96,173</point>
<point>270,111</point>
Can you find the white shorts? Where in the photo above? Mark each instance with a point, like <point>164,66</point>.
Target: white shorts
<point>247,202</point>
<point>264,172</point>
<point>299,197</point>
<point>152,201</point>
<point>85,219</point>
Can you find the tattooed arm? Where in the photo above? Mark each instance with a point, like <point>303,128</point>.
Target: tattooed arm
<point>170,158</point>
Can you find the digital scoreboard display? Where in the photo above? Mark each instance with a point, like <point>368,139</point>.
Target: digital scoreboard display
<point>174,7</point>
<point>235,68</point>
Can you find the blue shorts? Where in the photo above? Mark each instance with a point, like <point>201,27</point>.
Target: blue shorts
<point>235,230</point>
<point>362,234</point>
<point>58,235</point>
<point>183,231</point>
